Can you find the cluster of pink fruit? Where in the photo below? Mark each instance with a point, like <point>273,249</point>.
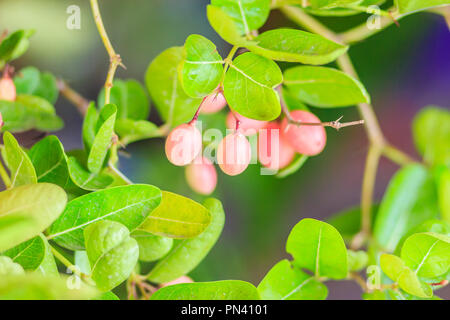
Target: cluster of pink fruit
<point>7,89</point>
<point>278,142</point>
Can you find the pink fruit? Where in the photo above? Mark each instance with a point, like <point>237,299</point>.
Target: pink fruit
<point>306,139</point>
<point>183,144</point>
<point>201,176</point>
<point>234,154</point>
<point>1,120</point>
<point>182,279</point>
<point>273,150</point>
<point>7,88</point>
<point>247,126</point>
<point>213,103</point>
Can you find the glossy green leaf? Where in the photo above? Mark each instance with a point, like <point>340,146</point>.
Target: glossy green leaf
<point>410,199</point>
<point>185,255</point>
<point>443,192</point>
<point>410,6</point>
<point>297,46</point>
<point>324,87</point>
<point>112,253</point>
<point>14,45</point>
<point>9,268</point>
<point>49,161</point>
<point>107,296</point>
<point>33,286</point>
<point>395,268</point>
<point>87,180</point>
<point>82,261</point>
<point>177,217</point>
<point>318,247</point>
<point>34,254</point>
<point>173,104</point>
<point>129,205</point>
<point>22,170</point>
<point>28,210</point>
<point>293,167</point>
<point>151,247</point>
<point>248,15</point>
<point>286,282</point>
<point>130,130</point>
<point>428,254</point>
<point>224,25</point>
<point>103,138</point>
<point>31,81</point>
<point>374,295</point>
<point>130,98</point>
<point>357,260</point>
<point>249,87</point>
<point>431,131</point>
<point>89,124</point>
<point>217,290</point>
<point>316,4</point>
<point>202,68</point>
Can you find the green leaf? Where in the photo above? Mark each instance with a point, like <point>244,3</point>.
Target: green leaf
<point>428,254</point>
<point>410,6</point>
<point>410,199</point>
<point>286,282</point>
<point>431,131</point>
<point>249,87</point>
<point>31,81</point>
<point>87,180</point>
<point>173,104</point>
<point>82,262</point>
<point>224,25</point>
<point>129,205</point>
<point>28,210</point>
<point>34,254</point>
<point>22,170</point>
<point>357,260</point>
<point>177,217</point>
<point>13,46</point>
<point>103,138</point>
<point>395,268</point>
<point>9,268</point>
<point>130,130</point>
<point>187,254</point>
<point>202,69</point>
<point>130,98</point>
<point>316,4</point>
<point>112,253</point>
<point>248,15</point>
<point>324,87</point>
<point>297,46</point>
<point>49,161</point>
<point>151,247</point>
<point>89,124</point>
<point>108,296</point>
<point>318,247</point>
<point>33,286</point>
<point>217,290</point>
<point>443,192</point>
<point>293,167</point>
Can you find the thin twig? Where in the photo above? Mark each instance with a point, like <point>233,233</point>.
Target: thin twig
<point>4,175</point>
<point>73,97</point>
<point>359,280</point>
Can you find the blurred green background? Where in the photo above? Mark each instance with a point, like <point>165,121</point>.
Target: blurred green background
<point>403,69</point>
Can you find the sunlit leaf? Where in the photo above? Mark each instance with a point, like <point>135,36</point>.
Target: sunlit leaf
<point>9,268</point>
<point>410,6</point>
<point>151,247</point>
<point>31,81</point>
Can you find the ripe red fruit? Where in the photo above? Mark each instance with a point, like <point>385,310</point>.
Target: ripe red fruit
<point>247,126</point>
<point>213,103</point>
<point>274,152</point>
<point>183,144</point>
<point>306,139</point>
<point>234,154</point>
<point>7,88</point>
<point>201,176</point>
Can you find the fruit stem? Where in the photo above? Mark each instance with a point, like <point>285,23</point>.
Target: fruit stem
<point>197,113</point>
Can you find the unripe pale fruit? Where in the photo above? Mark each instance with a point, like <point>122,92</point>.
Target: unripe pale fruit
<point>247,126</point>
<point>213,103</point>
<point>308,140</point>
<point>273,150</point>
<point>182,279</point>
<point>201,176</point>
<point>183,144</point>
<point>234,154</point>
<point>7,89</point>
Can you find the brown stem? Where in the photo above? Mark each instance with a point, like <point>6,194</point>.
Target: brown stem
<point>359,280</point>
<point>73,97</point>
